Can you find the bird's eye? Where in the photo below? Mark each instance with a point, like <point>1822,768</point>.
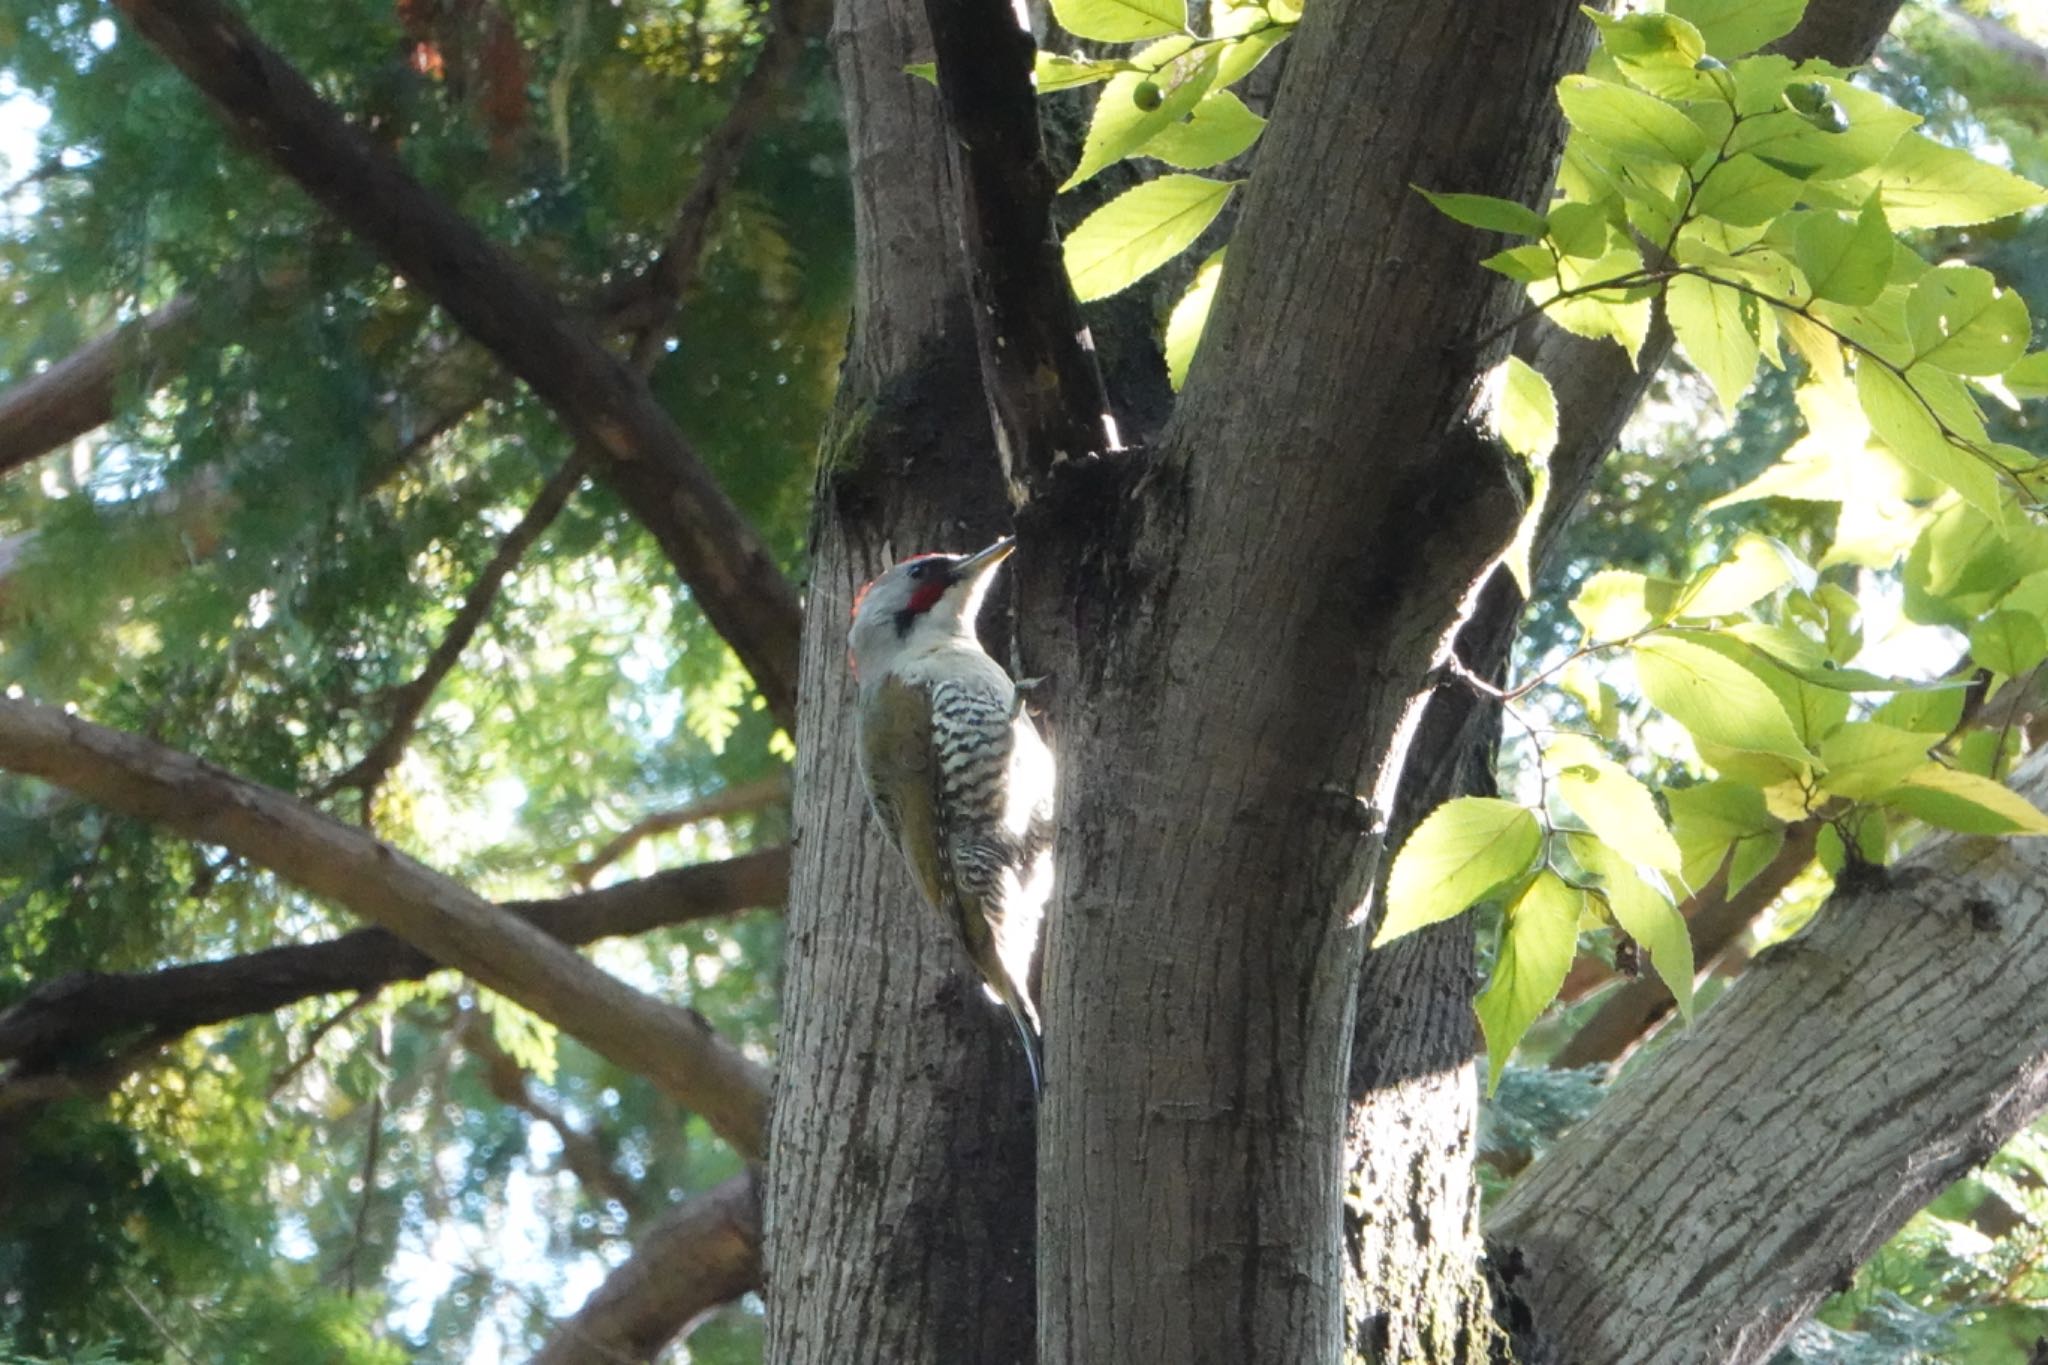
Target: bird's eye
<point>917,571</point>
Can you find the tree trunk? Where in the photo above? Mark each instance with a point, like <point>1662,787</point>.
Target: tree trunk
<point>1298,550</point>
<point>1747,1169</point>
<point>899,1199</point>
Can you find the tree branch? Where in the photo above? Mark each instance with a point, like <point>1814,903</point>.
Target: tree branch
<point>673,1047</point>
<point>1885,1050</point>
<point>73,1016</point>
<point>76,394</point>
<point>409,702</point>
<point>766,791</point>
<point>600,399</point>
<point>583,1153</point>
<point>1046,396</point>
<point>704,1252</point>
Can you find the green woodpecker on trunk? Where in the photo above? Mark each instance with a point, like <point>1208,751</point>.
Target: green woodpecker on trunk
<point>954,769</point>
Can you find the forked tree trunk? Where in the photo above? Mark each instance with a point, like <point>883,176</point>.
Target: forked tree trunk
<point>899,1197</point>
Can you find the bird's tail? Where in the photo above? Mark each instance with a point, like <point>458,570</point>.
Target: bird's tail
<point>1026,1036</point>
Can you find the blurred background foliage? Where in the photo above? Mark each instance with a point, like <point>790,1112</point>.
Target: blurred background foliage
<point>256,553</point>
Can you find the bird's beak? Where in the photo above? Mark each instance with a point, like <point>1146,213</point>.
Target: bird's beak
<point>980,565</point>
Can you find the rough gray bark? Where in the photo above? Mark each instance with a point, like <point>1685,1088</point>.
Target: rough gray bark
<point>1300,549</point>
<point>1751,1165</point>
<point>1413,1290</point>
<point>899,1198</point>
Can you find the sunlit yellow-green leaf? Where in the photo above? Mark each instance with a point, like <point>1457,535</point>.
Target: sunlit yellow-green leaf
<point>1756,566</point>
<point>1177,71</point>
<point>1715,697</point>
<point>1486,211</point>
<point>1965,802</point>
<point>1121,21</point>
<point>2028,377</point>
<point>1539,936</point>
<point>1465,849</point>
<point>1140,230</point>
<point>1843,260</point>
<point>1707,320</point>
<point>1616,603</point>
<point>1611,801</point>
<point>2008,642</point>
<point>1053,72</point>
<point>1629,121</point>
<point>1218,128</point>
<point>1901,419</point>
<point>1190,316</point>
<point>1733,28</point>
<point>1927,185</point>
<point>1960,320</point>
<point>1745,191</point>
<point>1644,913</point>
<point>1865,759</point>
<point>1528,410</point>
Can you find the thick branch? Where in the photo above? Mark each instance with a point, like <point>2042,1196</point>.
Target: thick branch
<point>673,1047</point>
<point>766,791</point>
<point>601,401</point>
<point>75,1014</point>
<point>1046,396</point>
<point>705,1252</point>
<point>77,393</point>
<point>1876,1057</point>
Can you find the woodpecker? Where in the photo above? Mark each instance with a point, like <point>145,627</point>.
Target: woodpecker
<point>955,771</point>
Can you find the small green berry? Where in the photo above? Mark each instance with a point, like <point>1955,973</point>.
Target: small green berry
<point>1147,96</point>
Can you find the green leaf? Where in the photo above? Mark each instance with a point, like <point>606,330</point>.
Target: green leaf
<point>1218,128</point>
<point>1523,264</point>
<point>1140,230</point>
<point>1121,124</point>
<point>1465,849</point>
<point>1926,185</point>
<point>1240,55</point>
<point>2008,642</point>
<point>1866,759</point>
<point>1756,567</point>
<point>1629,121</point>
<point>1927,714</point>
<point>928,72</point>
<point>1580,230</point>
<point>1734,28</point>
<point>1485,211</point>
<point>1539,937</point>
<point>1960,320</point>
<point>1616,603</point>
<point>1707,320</point>
<point>1528,410</point>
<point>1712,818</point>
<point>1190,317</point>
<point>2028,378</point>
<point>1965,802</point>
<point>1715,698</point>
<point>1745,191</point>
<point>1792,143</point>
<point>1121,21</point>
<point>1612,802</point>
<point>1844,261</point>
<point>1902,421</point>
<point>1644,913</point>
<point>1053,72</point>
<point>1751,856</point>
